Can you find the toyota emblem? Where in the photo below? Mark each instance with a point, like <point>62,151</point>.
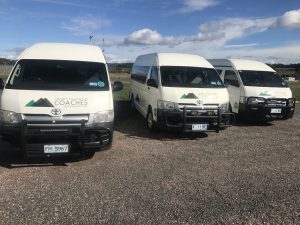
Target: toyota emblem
<point>56,111</point>
<point>199,102</point>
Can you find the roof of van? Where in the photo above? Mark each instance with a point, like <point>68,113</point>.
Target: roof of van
<point>64,51</point>
<point>173,59</point>
<point>241,64</point>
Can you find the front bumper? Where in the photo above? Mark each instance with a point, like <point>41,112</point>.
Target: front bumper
<point>185,120</point>
<point>31,137</point>
<point>268,110</point>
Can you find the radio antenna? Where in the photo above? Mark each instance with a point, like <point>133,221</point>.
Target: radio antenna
<point>102,37</point>
<point>91,37</point>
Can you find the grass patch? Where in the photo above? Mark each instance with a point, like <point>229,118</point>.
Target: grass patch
<point>295,87</point>
<point>122,95</point>
<point>125,79</point>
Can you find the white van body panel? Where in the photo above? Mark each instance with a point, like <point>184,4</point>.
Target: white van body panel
<point>64,51</point>
<point>206,95</point>
<point>268,92</point>
<point>240,64</point>
<point>69,102</point>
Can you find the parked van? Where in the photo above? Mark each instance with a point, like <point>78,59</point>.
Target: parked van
<point>58,100</point>
<point>255,90</point>
<point>179,91</point>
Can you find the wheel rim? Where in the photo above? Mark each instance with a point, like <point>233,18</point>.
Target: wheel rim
<point>150,121</point>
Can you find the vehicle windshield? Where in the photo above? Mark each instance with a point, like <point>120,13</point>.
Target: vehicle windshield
<point>261,79</point>
<point>58,75</point>
<point>190,77</point>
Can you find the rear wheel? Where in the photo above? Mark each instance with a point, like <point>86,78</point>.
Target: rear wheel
<point>132,103</point>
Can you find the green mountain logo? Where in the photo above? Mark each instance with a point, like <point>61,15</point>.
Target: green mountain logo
<point>264,94</point>
<point>189,96</point>
<point>42,102</point>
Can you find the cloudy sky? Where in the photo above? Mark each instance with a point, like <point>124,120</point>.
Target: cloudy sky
<point>267,30</point>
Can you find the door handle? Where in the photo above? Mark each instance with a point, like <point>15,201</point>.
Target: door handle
<point>148,88</point>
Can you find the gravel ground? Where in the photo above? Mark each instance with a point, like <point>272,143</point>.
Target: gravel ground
<point>247,174</point>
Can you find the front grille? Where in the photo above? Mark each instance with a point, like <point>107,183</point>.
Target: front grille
<point>276,102</point>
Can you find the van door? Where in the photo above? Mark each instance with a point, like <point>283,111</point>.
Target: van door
<point>152,90</point>
<point>233,87</point>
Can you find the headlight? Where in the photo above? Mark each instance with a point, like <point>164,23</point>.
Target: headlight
<point>8,117</point>
<point>101,117</point>
<point>255,100</point>
<point>166,105</point>
<point>291,102</point>
<point>243,99</point>
<point>224,107</point>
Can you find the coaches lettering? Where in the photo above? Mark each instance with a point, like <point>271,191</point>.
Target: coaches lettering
<point>71,102</point>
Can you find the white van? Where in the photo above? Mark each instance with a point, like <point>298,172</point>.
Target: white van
<point>256,92</point>
<point>179,91</point>
<point>58,100</point>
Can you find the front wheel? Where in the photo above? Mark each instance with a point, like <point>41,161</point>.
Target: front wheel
<point>88,154</point>
<point>150,122</point>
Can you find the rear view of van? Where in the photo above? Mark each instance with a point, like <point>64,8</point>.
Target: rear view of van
<point>58,101</point>
<point>179,91</point>
<point>256,91</point>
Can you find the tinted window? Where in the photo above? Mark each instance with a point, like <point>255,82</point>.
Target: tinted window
<point>154,74</point>
<point>219,72</point>
<point>140,73</point>
<point>231,78</point>
<point>193,77</point>
<point>59,75</point>
<point>261,79</point>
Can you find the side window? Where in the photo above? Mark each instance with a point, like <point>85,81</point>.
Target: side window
<point>140,73</point>
<point>17,74</point>
<point>230,78</point>
<point>154,74</point>
<point>219,72</point>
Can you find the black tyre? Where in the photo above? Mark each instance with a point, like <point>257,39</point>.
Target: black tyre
<point>151,124</point>
<point>132,104</point>
<point>88,154</point>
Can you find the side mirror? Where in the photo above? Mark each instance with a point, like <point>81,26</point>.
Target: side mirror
<point>226,83</point>
<point>117,86</point>
<point>2,84</point>
<point>152,83</point>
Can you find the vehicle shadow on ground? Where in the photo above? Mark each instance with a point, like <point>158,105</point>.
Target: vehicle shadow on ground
<point>11,158</point>
<point>133,125</point>
<point>245,123</point>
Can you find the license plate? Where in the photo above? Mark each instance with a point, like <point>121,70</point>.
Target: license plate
<point>56,148</point>
<point>199,127</point>
<point>275,110</point>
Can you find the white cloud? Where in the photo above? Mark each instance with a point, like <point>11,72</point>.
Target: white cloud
<point>149,37</point>
<point>221,31</point>
<point>290,19</point>
<point>241,45</point>
<point>84,26</point>
<point>197,5</point>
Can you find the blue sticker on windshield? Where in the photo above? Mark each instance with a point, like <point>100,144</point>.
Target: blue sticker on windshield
<point>93,84</point>
<point>219,83</point>
<point>101,84</point>
<point>214,83</point>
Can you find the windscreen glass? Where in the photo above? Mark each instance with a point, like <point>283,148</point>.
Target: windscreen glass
<point>190,77</point>
<point>261,79</point>
<point>59,75</point>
